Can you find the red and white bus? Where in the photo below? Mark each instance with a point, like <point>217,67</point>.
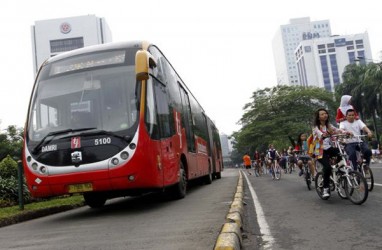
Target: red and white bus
<point>116,120</point>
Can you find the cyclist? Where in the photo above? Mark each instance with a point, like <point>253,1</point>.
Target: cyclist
<point>344,106</point>
<point>247,162</point>
<point>375,150</point>
<point>355,127</point>
<point>291,157</point>
<point>323,150</point>
<point>302,147</point>
<point>272,155</point>
<point>262,159</point>
<point>257,160</point>
<point>283,160</point>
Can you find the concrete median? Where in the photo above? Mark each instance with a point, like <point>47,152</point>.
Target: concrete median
<point>230,234</point>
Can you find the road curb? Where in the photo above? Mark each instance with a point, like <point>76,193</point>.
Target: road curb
<point>33,214</point>
<point>230,235</point>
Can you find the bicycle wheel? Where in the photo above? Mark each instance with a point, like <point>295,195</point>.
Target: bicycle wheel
<point>341,188</point>
<point>277,172</point>
<point>369,178</point>
<point>356,188</point>
<point>318,166</point>
<point>307,178</point>
<point>319,182</point>
<point>258,171</point>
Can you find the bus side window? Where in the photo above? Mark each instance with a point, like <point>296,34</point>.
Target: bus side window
<point>164,110</point>
<point>150,112</point>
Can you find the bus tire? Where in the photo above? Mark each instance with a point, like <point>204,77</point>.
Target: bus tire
<point>94,200</point>
<point>218,175</point>
<point>208,178</point>
<point>178,191</point>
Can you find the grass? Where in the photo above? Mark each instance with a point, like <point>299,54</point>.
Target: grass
<point>9,212</point>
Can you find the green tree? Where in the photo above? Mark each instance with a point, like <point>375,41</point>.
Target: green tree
<point>11,142</point>
<point>8,167</point>
<point>353,79</point>
<point>278,112</point>
<point>364,84</point>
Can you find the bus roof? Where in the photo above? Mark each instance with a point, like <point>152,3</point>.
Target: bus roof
<point>100,47</point>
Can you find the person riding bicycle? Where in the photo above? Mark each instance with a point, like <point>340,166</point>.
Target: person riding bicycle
<point>352,145</point>
<point>302,149</point>
<point>247,162</point>
<point>324,151</point>
<point>375,150</point>
<point>272,155</point>
<point>344,106</point>
<point>257,161</point>
<point>256,157</point>
<point>292,160</point>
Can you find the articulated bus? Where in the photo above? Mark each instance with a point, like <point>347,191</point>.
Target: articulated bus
<point>116,120</point>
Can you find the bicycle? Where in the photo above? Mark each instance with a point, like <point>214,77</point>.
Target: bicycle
<point>276,170</point>
<point>349,184</point>
<point>258,168</point>
<point>361,164</point>
<point>291,164</point>
<point>305,168</point>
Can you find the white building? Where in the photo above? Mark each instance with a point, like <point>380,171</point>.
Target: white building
<point>51,37</point>
<point>225,145</point>
<point>321,61</point>
<point>226,150</point>
<point>285,42</point>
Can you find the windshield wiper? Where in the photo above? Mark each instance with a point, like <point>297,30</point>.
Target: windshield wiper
<point>53,134</point>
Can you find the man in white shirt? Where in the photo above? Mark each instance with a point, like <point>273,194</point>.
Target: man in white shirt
<point>355,127</point>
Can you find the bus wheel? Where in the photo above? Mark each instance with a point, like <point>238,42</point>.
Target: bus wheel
<point>179,190</point>
<point>208,178</point>
<point>94,200</point>
<point>218,175</point>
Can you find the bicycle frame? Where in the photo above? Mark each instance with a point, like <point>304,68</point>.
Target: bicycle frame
<point>355,184</point>
<point>276,170</point>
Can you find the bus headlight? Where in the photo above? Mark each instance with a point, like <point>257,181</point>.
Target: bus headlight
<point>34,166</point>
<point>124,155</point>
<point>43,170</point>
<point>115,161</point>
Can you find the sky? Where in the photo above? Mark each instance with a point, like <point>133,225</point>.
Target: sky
<point>221,49</point>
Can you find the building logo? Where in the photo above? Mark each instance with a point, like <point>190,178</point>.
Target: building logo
<point>65,28</point>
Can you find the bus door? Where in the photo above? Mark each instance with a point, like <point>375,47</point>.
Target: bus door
<point>187,123</point>
<point>166,126</point>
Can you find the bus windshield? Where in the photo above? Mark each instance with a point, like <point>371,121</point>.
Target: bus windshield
<point>103,98</point>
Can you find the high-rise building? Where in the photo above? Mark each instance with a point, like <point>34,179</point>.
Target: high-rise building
<point>226,151</point>
<point>321,61</point>
<point>225,145</point>
<point>51,37</point>
<point>285,42</point>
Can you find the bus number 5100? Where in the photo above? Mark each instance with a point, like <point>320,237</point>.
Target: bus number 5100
<point>102,141</point>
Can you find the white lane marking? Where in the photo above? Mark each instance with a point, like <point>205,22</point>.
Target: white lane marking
<point>268,239</point>
<point>376,184</point>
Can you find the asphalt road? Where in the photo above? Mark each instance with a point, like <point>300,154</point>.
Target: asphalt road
<point>133,223</point>
<point>298,219</point>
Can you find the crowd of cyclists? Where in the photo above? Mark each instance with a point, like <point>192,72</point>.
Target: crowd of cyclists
<point>317,146</point>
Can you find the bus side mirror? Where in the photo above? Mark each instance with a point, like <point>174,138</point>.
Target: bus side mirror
<point>143,61</point>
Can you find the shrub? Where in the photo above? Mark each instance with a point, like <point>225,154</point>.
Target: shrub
<point>9,190</point>
<point>8,168</point>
